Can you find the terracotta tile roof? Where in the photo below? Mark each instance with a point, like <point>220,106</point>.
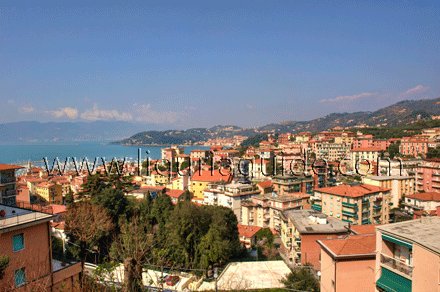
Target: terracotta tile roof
<point>174,193</point>
<point>352,191</point>
<point>265,184</point>
<point>35,179</point>
<point>353,245</point>
<point>9,166</point>
<point>364,149</point>
<point>431,196</point>
<point>212,176</point>
<point>364,229</point>
<point>247,231</point>
<point>45,185</point>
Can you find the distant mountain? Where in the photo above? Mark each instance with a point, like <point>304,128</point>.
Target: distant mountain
<point>36,132</point>
<point>399,114</point>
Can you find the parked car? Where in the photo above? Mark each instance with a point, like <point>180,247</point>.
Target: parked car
<point>172,280</point>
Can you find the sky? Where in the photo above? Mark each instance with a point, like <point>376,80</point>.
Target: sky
<point>184,64</point>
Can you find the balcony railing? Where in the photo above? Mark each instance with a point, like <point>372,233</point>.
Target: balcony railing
<point>7,180</point>
<point>396,264</point>
<point>316,207</point>
<point>349,205</point>
<point>350,214</point>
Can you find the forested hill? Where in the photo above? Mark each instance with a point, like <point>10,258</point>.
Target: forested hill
<point>396,117</point>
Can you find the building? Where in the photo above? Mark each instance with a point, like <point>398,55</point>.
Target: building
<point>169,154</point>
<point>200,154</point>
<point>49,192</point>
<point>300,230</point>
<point>201,179</point>
<point>175,195</point>
<point>408,256</point>
<point>265,210</point>
<point>413,146</point>
<point>357,204</point>
<point>364,154</point>
<point>246,234</point>
<point>284,184</point>
<point>25,238</point>
<point>8,182</point>
<point>229,195</point>
<point>422,202</point>
<point>400,186</point>
<point>265,187</point>
<point>331,151</point>
<point>428,176</point>
<point>349,263</point>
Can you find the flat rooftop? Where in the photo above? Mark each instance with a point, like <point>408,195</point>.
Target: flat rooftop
<point>417,231</point>
<point>389,177</point>
<point>15,216</point>
<point>302,222</point>
<point>253,275</point>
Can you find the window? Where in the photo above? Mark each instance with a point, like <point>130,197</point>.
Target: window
<point>18,242</point>
<point>331,205</point>
<point>338,215</point>
<point>20,277</point>
<point>331,213</point>
<point>339,206</point>
<point>338,199</point>
<point>331,197</point>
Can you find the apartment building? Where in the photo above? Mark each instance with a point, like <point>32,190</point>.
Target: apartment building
<point>422,202</point>
<point>229,195</point>
<point>331,151</point>
<point>201,154</point>
<point>428,176</point>
<point>408,256</point>
<point>201,179</point>
<point>357,203</point>
<point>264,210</point>
<point>413,146</point>
<point>170,154</point>
<point>8,183</point>
<point>400,186</point>
<point>25,239</point>
<point>349,263</point>
<point>300,230</point>
<point>285,184</point>
<point>49,192</point>
<point>364,154</point>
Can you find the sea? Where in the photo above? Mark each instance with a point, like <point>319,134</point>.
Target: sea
<point>21,154</point>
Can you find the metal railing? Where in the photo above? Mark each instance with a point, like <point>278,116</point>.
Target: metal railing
<point>396,264</point>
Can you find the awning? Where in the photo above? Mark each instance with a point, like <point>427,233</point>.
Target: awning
<point>392,282</point>
<point>397,241</point>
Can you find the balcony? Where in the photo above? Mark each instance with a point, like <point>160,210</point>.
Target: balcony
<point>7,180</point>
<point>377,207</point>
<point>366,221</point>
<point>346,220</point>
<point>348,214</point>
<point>396,265</point>
<point>345,204</point>
<point>316,207</point>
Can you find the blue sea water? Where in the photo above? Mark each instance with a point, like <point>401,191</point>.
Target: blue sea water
<point>23,153</point>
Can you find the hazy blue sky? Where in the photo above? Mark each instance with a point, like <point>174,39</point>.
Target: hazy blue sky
<point>202,63</point>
